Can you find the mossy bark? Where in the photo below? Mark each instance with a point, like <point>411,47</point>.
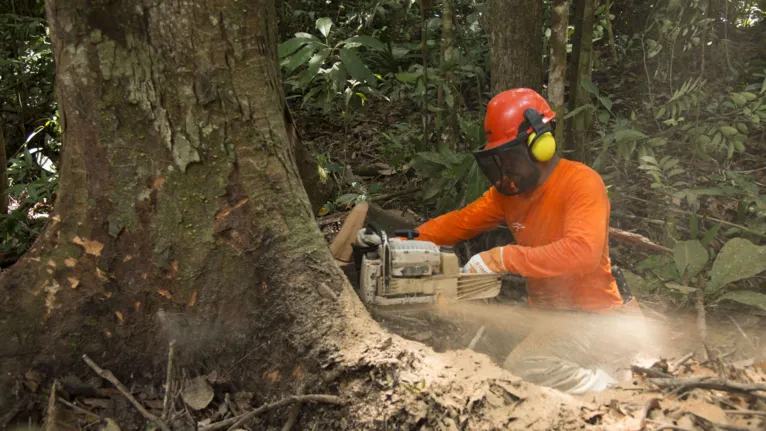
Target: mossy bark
<point>181,215</point>
<point>517,44</point>
<point>582,51</point>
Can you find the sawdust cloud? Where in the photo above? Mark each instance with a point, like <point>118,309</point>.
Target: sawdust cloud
<point>643,339</point>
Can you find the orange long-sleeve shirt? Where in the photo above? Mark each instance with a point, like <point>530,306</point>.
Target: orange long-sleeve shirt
<point>561,233</point>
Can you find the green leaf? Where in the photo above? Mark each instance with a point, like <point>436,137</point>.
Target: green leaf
<point>290,46</point>
<point>689,256</point>
<point>314,64</point>
<point>607,102</point>
<point>356,68</point>
<point>368,41</point>
<point>729,131</point>
<point>627,135</point>
<point>324,25</point>
<point>709,235</point>
<point>716,140</point>
<point>299,58</point>
<point>589,86</point>
<point>477,184</point>
<point>746,297</point>
<point>680,288</point>
<point>603,117</point>
<point>578,110</point>
<point>737,260</point>
<point>338,76</point>
<point>347,198</point>
<point>407,77</point>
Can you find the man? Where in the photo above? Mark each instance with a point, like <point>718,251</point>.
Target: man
<point>558,212</point>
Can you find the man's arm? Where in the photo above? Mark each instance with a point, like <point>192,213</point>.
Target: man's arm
<point>585,233</point>
<point>480,215</point>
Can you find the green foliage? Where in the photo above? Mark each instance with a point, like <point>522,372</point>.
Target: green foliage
<point>690,257</point>
<point>451,179</point>
<point>326,70</point>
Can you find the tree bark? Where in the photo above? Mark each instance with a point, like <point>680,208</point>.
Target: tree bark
<point>3,175</point>
<point>582,49</point>
<point>181,216</point>
<point>517,44</point>
<point>557,74</point>
<point>448,57</point>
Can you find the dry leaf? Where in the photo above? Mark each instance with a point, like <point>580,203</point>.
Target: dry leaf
<point>198,393</point>
<point>144,275</point>
<point>49,271</point>
<point>69,262</point>
<point>110,425</point>
<point>193,299</point>
<point>119,316</point>
<point>91,247</point>
<point>137,306</point>
<point>273,376</point>
<point>165,293</point>
<point>52,263</point>
<point>127,258</point>
<point>74,282</point>
<point>34,259</point>
<point>56,218</point>
<point>298,373</point>
<point>101,275</point>
<point>108,334</point>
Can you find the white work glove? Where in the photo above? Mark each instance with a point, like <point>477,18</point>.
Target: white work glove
<point>368,239</point>
<point>487,262</point>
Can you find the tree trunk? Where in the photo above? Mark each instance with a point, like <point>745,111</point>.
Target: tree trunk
<point>517,44</point>
<point>181,215</point>
<point>3,175</point>
<point>557,74</point>
<point>582,49</point>
<point>448,57</point>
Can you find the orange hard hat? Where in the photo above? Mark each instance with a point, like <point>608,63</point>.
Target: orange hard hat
<point>505,114</point>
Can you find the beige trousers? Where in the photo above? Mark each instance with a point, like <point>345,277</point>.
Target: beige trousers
<point>579,352</point>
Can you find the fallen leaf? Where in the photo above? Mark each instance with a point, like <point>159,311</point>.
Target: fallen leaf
<point>99,403</point>
<point>137,306</point>
<point>52,263</point>
<point>108,334</point>
<point>49,271</point>
<point>198,393</point>
<point>165,293</point>
<point>34,259</point>
<point>119,316</point>
<point>101,275</point>
<point>56,218</point>
<point>91,247</point>
<point>298,373</point>
<point>144,275</point>
<point>69,262</point>
<point>384,169</point>
<point>273,376</point>
<point>154,404</point>
<point>127,258</point>
<point>193,299</point>
<point>111,425</point>
<point>74,282</point>
<point>212,377</point>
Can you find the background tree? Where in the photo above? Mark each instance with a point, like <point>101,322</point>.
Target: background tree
<point>517,44</point>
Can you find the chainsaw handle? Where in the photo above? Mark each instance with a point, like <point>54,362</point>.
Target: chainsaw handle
<point>410,234</point>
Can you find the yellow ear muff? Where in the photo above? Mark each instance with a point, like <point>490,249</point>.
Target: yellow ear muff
<point>542,148</point>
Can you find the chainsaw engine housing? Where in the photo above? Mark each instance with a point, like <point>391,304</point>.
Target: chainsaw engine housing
<point>416,272</point>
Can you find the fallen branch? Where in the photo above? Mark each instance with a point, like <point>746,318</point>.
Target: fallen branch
<point>715,384</point>
<point>636,239</point>
<point>295,410</point>
<point>235,422</point>
<point>702,217</point>
<point>745,412</point>
<point>106,374</point>
<point>676,365</point>
<point>652,403</point>
<point>649,372</point>
<point>169,381</point>
<point>78,408</point>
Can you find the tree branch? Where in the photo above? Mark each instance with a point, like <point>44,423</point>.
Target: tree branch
<point>106,374</point>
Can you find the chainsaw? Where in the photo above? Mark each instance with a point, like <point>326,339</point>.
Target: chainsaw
<point>403,272</point>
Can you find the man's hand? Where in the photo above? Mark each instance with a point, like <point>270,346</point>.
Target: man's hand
<point>368,239</point>
<point>486,262</point>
